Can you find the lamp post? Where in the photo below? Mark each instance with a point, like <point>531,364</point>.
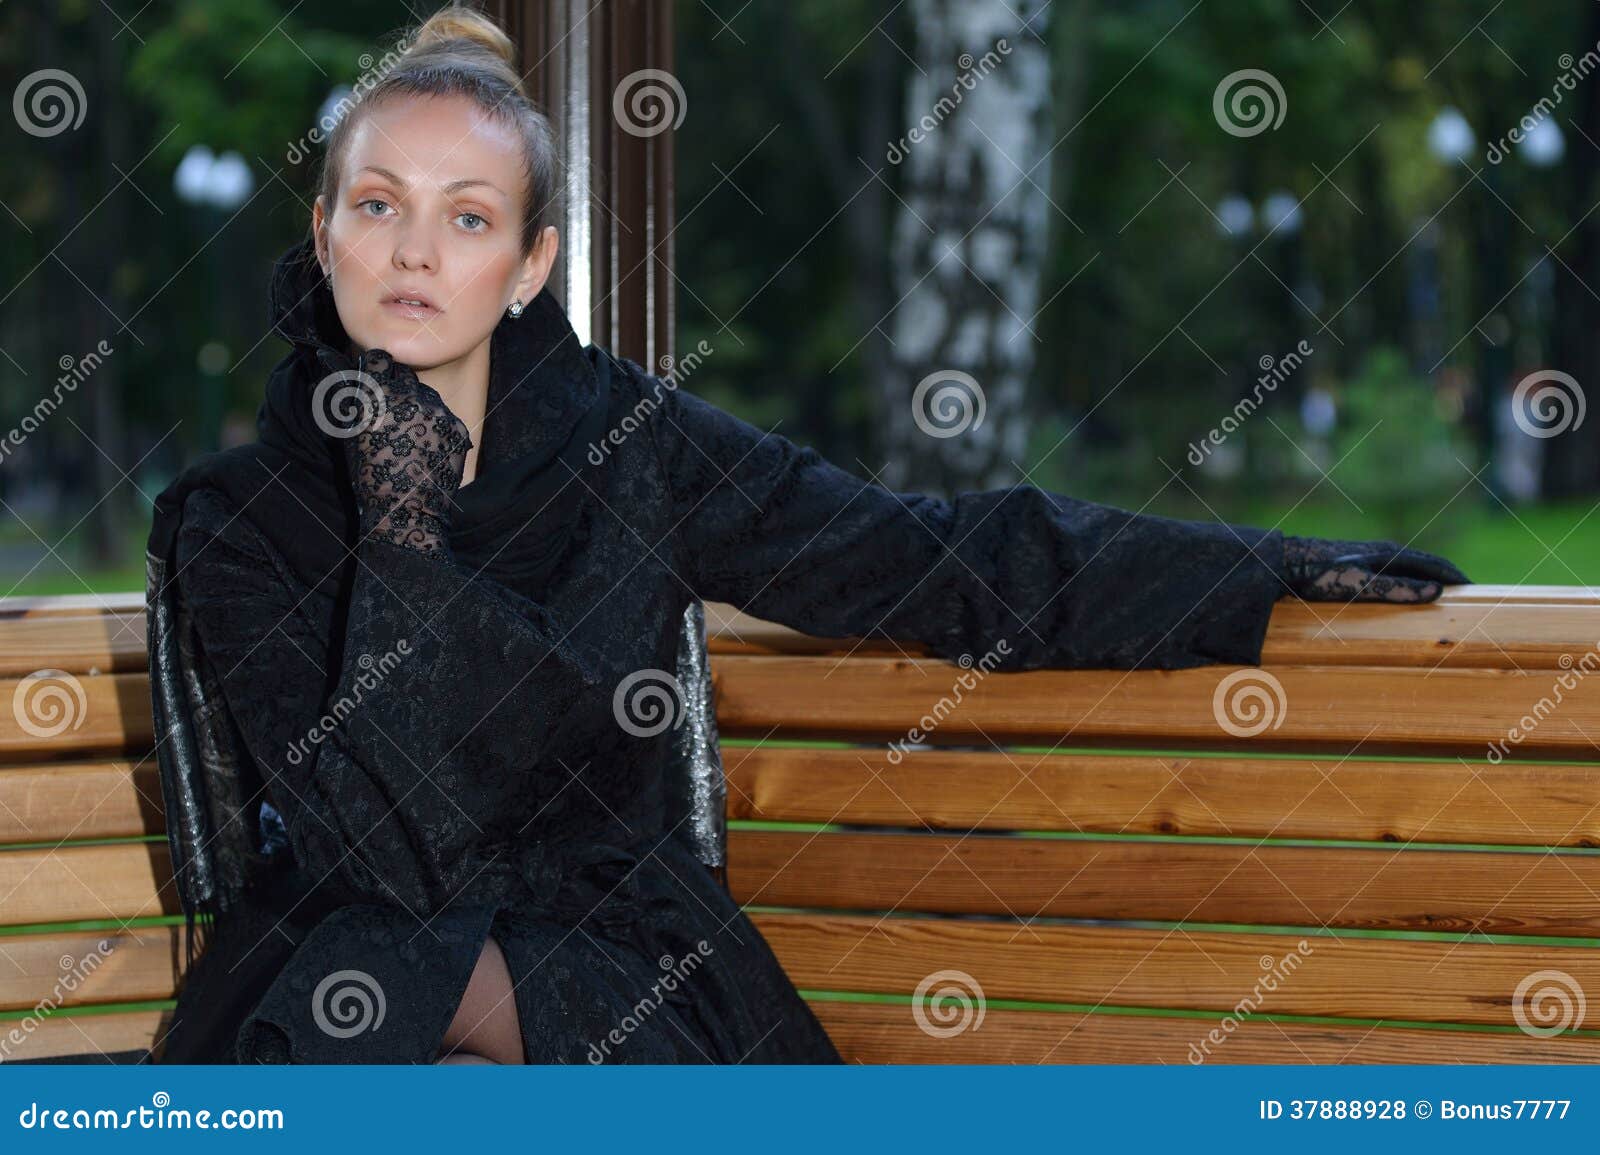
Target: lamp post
<point>1281,220</point>
<point>1538,144</point>
<point>216,186</point>
<point>1452,141</point>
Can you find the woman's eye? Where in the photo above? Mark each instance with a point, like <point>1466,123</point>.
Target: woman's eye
<point>371,201</point>
<point>468,218</point>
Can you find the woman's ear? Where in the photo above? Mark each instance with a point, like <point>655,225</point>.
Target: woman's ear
<point>536,266</point>
<point>319,232</point>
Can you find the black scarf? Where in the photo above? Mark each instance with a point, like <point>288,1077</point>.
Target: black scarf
<point>548,402</point>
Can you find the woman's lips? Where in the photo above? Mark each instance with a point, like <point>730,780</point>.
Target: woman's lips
<point>413,312</point>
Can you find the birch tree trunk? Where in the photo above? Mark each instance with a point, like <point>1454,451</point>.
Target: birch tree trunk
<point>969,244</point>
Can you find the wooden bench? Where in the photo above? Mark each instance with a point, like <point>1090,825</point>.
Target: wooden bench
<point>1399,861</point>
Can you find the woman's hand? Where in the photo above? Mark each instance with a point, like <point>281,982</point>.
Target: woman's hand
<point>407,459</point>
<point>1324,570</point>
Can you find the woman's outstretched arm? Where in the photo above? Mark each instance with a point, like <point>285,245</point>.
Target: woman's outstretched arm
<point>782,533</point>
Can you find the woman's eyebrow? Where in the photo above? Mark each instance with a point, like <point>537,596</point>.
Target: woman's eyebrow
<point>391,177</point>
<point>469,182</point>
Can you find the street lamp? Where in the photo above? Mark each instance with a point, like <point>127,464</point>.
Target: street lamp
<point>222,182</point>
<point>1235,215</point>
<point>1450,137</point>
<point>1280,212</point>
<point>216,186</point>
<point>1540,144</point>
<point>1543,145</point>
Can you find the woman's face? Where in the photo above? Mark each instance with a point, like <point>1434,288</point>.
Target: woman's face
<point>429,209</point>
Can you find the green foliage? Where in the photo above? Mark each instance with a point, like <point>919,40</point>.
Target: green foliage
<point>242,75</point>
<point>1399,459</point>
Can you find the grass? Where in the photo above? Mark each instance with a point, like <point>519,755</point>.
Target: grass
<point>1556,544</point>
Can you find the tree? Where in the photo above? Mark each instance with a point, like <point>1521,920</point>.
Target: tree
<point>969,244</point>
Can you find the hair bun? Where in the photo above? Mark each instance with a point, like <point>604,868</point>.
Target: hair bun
<point>450,26</point>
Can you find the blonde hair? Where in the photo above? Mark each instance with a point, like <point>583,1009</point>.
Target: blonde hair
<point>461,52</point>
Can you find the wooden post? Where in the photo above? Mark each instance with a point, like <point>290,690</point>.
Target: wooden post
<point>614,272</point>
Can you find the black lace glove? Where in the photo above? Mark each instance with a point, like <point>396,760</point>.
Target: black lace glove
<point>406,461</point>
<point>1324,570</point>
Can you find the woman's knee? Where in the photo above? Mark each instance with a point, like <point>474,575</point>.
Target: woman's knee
<point>486,1023</point>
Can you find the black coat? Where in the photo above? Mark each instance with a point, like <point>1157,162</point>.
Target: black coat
<point>467,745</point>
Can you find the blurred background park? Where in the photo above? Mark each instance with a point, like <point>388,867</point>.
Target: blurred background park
<point>1312,264</point>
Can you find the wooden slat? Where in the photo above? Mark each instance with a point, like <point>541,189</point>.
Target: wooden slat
<point>1574,595</point>
<point>884,1033</point>
<point>142,965</point>
<point>80,968</point>
<point>52,801</point>
<point>1338,708</point>
<point>74,715</point>
<point>1370,889</point>
<point>1361,978</point>
<point>1471,983</point>
<point>1485,627</point>
<point>877,1033</point>
<point>80,1034</point>
<point>1516,804</point>
<point>102,643</point>
<point>985,874</point>
<point>1484,634</point>
<point>1512,803</point>
<point>72,605</point>
<point>120,880</point>
<point>1477,627</point>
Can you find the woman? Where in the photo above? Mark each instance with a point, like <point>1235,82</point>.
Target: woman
<point>420,613</point>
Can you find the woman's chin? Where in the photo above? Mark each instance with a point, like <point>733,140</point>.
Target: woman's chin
<point>409,345</point>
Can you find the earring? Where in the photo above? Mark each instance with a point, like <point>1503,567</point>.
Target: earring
<point>515,310</point>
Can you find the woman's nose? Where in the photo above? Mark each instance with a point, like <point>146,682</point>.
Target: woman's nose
<point>416,251</point>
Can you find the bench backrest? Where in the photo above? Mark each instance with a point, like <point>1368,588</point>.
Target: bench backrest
<point>1381,845</point>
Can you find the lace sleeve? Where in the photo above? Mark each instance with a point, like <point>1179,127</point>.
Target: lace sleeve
<point>406,455</point>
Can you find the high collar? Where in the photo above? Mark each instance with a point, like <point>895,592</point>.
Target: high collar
<point>541,380</point>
